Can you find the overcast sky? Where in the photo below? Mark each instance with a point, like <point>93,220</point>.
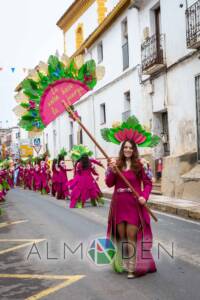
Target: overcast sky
<point>28,34</point>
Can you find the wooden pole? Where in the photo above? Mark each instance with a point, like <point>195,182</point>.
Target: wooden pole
<point>70,111</point>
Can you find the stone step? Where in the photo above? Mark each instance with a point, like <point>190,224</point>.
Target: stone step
<point>156,192</point>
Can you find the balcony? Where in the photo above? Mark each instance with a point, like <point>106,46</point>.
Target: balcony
<point>192,14</point>
<point>153,59</point>
<point>126,115</point>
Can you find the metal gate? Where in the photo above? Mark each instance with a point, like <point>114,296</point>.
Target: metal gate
<point>197,89</point>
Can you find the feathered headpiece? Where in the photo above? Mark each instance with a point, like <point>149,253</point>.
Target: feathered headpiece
<point>130,130</point>
<point>78,151</point>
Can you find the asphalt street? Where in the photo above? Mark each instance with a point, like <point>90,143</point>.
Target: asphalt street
<point>39,233</point>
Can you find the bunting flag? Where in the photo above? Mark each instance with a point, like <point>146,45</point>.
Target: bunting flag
<point>14,69</point>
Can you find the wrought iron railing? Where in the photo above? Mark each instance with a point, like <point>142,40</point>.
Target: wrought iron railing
<point>152,51</point>
<point>126,115</point>
<point>193,25</point>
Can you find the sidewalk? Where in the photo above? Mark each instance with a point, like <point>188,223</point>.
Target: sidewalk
<point>181,207</point>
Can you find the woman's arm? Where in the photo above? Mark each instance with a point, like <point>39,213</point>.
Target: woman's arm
<point>110,177</point>
<point>147,185</point>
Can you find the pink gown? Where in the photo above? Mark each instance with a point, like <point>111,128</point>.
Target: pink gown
<point>124,208</point>
<point>62,183</point>
<point>55,179</point>
<point>36,180</point>
<point>83,186</point>
<point>28,176</point>
<point>44,175</point>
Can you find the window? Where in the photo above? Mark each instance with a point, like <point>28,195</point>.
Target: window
<point>71,140</point>
<point>127,101</point>
<point>100,52</point>
<point>54,141</point>
<point>46,144</point>
<point>102,113</point>
<point>80,134</point>
<point>127,106</point>
<point>125,50</point>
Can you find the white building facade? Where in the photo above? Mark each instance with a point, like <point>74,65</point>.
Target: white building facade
<point>150,50</point>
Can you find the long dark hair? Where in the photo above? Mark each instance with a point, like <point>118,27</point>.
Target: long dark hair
<point>135,162</point>
<point>55,161</point>
<point>85,162</point>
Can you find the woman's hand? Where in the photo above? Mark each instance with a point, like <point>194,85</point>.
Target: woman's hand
<point>142,200</point>
<point>112,164</point>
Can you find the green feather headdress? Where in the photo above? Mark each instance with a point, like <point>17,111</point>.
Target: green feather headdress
<point>130,130</point>
<point>79,150</point>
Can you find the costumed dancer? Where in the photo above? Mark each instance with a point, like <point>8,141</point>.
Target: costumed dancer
<point>20,177</point>
<point>36,177</point>
<point>28,176</point>
<point>62,180</point>
<point>45,177</point>
<point>10,177</point>
<point>84,186</point>
<point>129,221</point>
<point>2,184</point>
<point>55,177</point>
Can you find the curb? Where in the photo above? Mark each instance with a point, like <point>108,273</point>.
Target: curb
<point>184,212</point>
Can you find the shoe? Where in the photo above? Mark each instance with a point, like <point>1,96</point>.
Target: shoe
<point>118,263</point>
<point>131,275</point>
<point>78,205</point>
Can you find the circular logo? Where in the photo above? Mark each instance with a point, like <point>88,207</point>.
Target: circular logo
<point>101,251</point>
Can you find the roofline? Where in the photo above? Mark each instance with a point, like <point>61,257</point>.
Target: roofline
<point>73,13</point>
<point>107,22</point>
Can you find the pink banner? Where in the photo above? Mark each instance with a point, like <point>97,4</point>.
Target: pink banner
<point>51,105</point>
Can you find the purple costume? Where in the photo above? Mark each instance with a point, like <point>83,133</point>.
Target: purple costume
<point>28,177</point>
<point>36,179</point>
<point>124,208</point>
<point>62,183</point>
<point>55,179</point>
<point>83,186</point>
<point>44,175</point>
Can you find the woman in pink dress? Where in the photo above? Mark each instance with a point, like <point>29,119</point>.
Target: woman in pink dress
<point>129,221</point>
<point>20,177</point>
<point>83,186</point>
<point>55,177</point>
<point>62,180</point>
<point>36,177</point>
<point>11,176</point>
<point>28,177</point>
<point>45,177</point>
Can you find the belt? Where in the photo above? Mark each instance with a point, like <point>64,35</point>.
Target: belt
<point>124,190</point>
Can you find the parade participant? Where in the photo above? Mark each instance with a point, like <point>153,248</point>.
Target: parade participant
<point>83,186</point>
<point>62,179</point>
<point>20,177</point>
<point>28,177</point>
<point>129,221</point>
<point>45,176</point>
<point>2,185</point>
<point>55,177</point>
<point>10,177</point>
<point>36,177</point>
